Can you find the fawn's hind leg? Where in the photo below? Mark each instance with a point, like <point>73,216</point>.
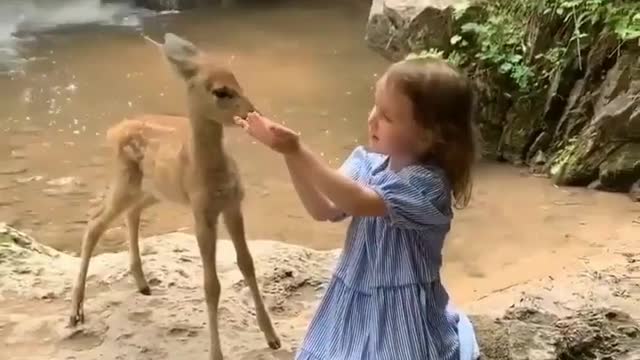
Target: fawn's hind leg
<point>133,226</point>
<point>124,192</point>
<point>235,226</point>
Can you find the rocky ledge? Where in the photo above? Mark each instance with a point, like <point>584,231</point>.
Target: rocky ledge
<point>591,314</point>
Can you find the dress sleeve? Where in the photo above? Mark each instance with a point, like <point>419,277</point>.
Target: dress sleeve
<point>356,166</point>
<point>416,197</point>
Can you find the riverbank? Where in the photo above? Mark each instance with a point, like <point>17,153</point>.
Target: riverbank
<point>547,317</point>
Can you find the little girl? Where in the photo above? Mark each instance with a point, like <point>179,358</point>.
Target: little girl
<point>386,300</point>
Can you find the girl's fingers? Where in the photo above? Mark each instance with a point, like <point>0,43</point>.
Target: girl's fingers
<point>239,121</point>
<point>253,117</point>
<point>243,124</point>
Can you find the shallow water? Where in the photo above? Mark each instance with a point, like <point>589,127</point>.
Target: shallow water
<point>301,62</point>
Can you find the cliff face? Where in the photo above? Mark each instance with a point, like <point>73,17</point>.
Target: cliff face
<point>558,96</point>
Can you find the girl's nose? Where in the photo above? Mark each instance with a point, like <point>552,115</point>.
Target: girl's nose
<point>371,120</point>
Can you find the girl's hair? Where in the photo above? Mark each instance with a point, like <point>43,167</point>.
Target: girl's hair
<point>444,103</point>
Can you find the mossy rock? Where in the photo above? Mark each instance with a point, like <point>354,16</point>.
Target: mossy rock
<point>523,122</point>
<point>622,168</point>
<point>578,163</point>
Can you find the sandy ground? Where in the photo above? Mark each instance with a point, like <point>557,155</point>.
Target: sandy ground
<point>171,323</point>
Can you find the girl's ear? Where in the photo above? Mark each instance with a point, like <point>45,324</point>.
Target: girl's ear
<point>425,140</point>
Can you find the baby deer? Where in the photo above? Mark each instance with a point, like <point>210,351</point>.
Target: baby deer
<point>181,160</point>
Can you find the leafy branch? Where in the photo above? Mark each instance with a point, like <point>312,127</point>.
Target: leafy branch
<point>502,42</point>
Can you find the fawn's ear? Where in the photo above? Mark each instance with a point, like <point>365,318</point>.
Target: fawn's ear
<point>181,54</point>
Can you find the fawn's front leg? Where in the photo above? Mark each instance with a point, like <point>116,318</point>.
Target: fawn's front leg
<point>234,221</point>
<point>206,219</point>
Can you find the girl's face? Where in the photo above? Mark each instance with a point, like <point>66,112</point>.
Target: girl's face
<point>392,130</point>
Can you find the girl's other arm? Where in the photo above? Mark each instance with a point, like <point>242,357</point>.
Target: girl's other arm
<point>345,193</point>
<point>317,205</point>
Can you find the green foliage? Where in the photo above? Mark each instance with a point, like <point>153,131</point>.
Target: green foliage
<point>503,41</point>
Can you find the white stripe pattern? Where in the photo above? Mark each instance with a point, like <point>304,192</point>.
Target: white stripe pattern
<point>385,300</point>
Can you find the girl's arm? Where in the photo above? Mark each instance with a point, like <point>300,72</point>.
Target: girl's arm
<point>345,194</point>
<point>317,205</point>
<point>341,192</point>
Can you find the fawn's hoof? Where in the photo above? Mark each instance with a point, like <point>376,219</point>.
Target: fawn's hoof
<point>76,319</point>
<point>216,356</point>
<point>145,290</point>
<point>274,344</point>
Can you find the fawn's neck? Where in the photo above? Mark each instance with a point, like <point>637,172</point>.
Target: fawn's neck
<point>207,149</point>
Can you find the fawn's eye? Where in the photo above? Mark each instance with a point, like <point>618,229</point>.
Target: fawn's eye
<point>223,93</point>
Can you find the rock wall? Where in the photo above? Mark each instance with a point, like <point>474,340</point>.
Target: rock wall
<point>583,129</point>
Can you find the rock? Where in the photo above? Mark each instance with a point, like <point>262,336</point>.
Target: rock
<point>18,154</point>
<point>539,146</point>
<point>616,121</point>
<point>596,185</point>
<point>580,108</point>
<point>13,168</point>
<point>621,169</point>
<point>533,334</point>
<point>397,27</point>
<point>28,179</point>
<point>539,159</point>
<point>492,114</point>
<point>65,186</point>
<point>521,127</point>
<point>634,192</point>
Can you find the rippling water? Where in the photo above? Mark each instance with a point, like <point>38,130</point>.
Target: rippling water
<point>21,21</point>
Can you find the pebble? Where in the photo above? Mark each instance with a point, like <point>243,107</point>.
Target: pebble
<point>17,154</point>
<point>28,179</point>
<point>65,181</point>
<point>65,186</point>
<point>13,169</point>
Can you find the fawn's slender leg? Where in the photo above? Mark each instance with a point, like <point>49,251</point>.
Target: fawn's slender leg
<point>234,222</point>
<point>206,219</point>
<point>133,226</point>
<point>120,196</point>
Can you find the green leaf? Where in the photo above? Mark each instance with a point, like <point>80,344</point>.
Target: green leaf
<point>514,58</point>
<point>505,68</point>
<point>471,27</point>
<point>455,39</point>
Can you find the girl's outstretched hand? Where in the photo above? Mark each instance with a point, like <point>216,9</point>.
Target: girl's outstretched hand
<point>270,133</point>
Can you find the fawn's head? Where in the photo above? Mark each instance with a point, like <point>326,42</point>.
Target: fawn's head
<point>213,90</point>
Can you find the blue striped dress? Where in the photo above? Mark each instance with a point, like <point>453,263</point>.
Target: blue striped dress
<point>385,300</point>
